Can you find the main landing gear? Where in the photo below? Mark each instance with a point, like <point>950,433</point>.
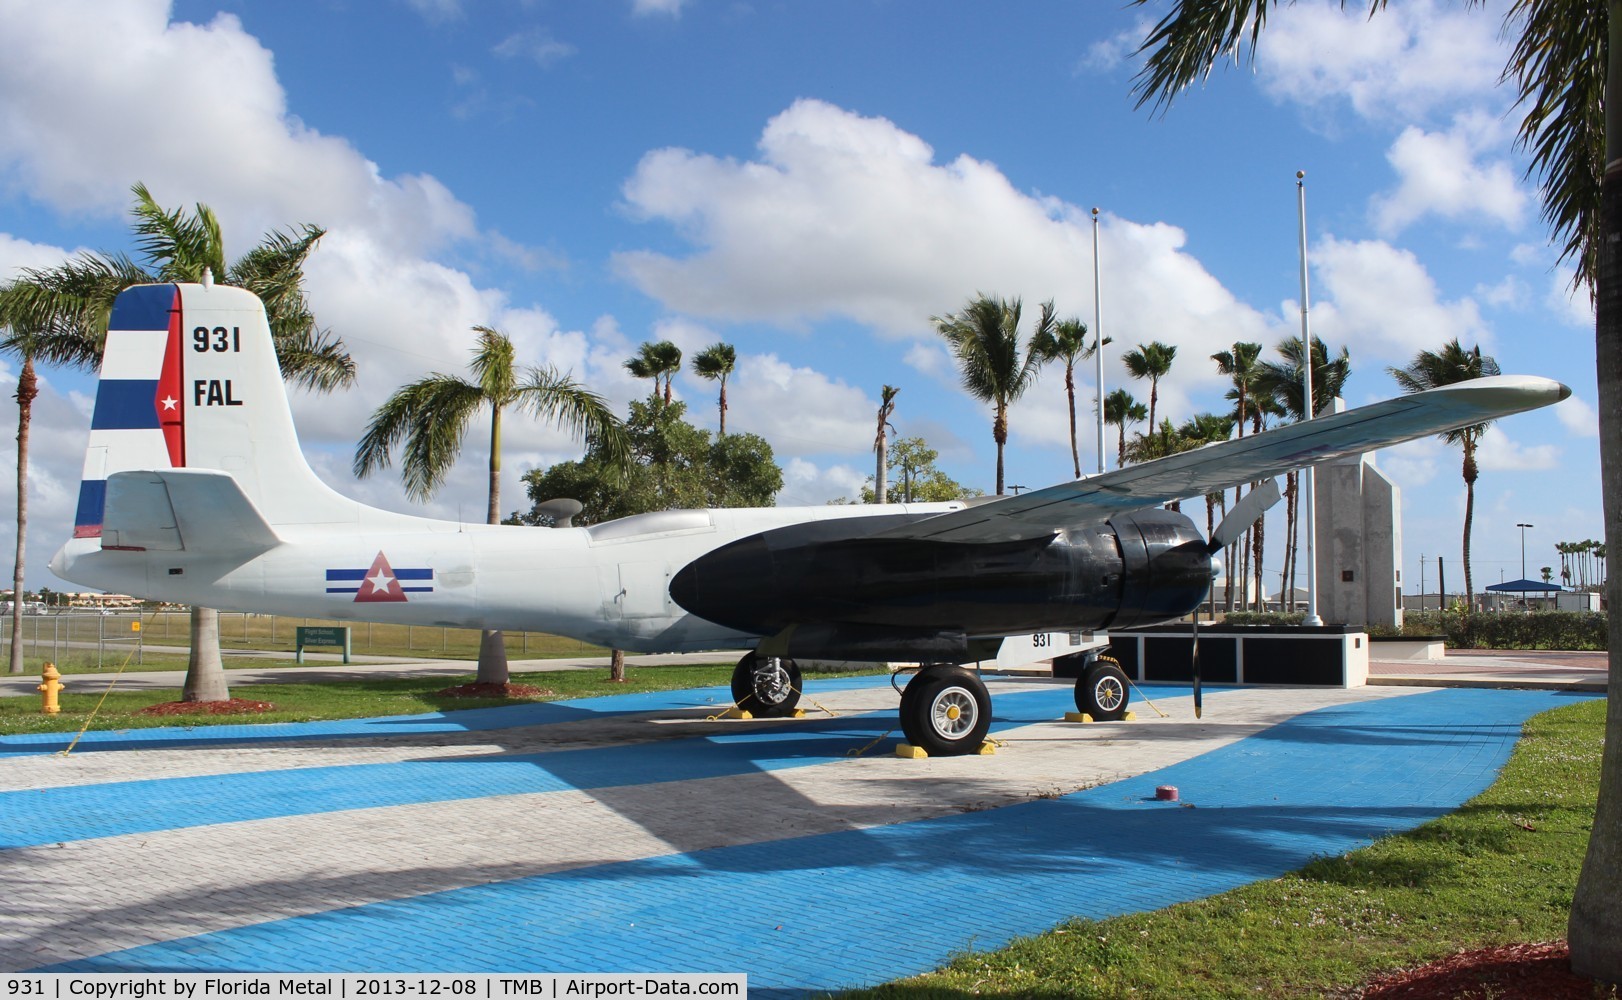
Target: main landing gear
<point>767,687</point>
<point>946,711</point>
<point>1102,691</point>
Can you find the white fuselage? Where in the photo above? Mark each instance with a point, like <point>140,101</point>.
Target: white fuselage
<point>607,585</point>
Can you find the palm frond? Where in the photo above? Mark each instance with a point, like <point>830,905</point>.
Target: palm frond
<point>178,247</point>
<point>315,359</point>
<point>554,396</point>
<point>715,362</point>
<point>1559,66</point>
<point>430,416</point>
<point>494,365</point>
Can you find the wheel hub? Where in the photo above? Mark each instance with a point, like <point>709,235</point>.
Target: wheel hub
<point>954,713</point>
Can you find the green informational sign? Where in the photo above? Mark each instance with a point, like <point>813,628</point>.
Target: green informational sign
<point>321,635</point>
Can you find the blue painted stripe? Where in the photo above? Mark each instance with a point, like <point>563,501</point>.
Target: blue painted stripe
<point>800,914</point>
<point>343,590</point>
<point>52,815</point>
<point>92,503</point>
<point>347,574</point>
<point>360,574</point>
<point>125,404</point>
<point>143,307</point>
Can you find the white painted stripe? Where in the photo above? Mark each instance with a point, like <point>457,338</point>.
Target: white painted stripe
<point>134,354</point>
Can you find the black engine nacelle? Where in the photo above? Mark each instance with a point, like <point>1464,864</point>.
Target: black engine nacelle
<point>844,590</point>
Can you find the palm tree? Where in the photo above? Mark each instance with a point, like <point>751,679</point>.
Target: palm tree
<point>76,298</point>
<point>30,339</point>
<point>1067,341</point>
<point>431,417</point>
<point>881,443</point>
<point>1563,65</point>
<point>1280,382</point>
<point>716,363</point>
<point>1121,409</point>
<point>985,338</point>
<point>1151,361</point>
<point>1240,366</point>
<point>1449,366</point>
<point>656,361</point>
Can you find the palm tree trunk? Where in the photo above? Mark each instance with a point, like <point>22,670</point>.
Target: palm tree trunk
<point>1469,516</point>
<point>1594,930</point>
<point>1257,531</point>
<point>1070,391</point>
<point>880,486</point>
<point>723,406</point>
<point>492,647</point>
<point>616,666</point>
<point>999,431</point>
<point>205,671</point>
<point>27,390</point>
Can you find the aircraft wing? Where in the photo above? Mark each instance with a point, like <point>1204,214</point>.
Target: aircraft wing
<point>1225,464</point>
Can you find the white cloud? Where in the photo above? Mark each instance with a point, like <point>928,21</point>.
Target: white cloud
<point>1108,54</point>
<point>1577,416</point>
<point>1407,60</point>
<point>67,96</point>
<point>437,11</point>
<point>535,44</point>
<point>799,410</point>
<point>1571,305</point>
<point>1510,293</point>
<point>806,484</point>
<point>1382,302</point>
<point>1438,174</point>
<point>849,216</point>
<point>1498,453</point>
<point>17,254</point>
<point>644,8</point>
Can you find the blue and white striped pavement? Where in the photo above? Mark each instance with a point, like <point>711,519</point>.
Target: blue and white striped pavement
<point>629,834</point>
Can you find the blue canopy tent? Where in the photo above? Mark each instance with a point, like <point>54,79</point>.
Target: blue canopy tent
<point>1524,587</point>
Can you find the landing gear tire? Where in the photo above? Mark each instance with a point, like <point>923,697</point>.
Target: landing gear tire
<point>946,711</point>
<point>767,687</point>
<point>1102,692</point>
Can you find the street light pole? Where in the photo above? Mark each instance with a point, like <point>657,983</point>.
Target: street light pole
<point>1523,528</point>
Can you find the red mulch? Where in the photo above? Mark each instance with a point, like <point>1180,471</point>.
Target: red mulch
<point>1507,972</point>
<point>234,706</point>
<point>493,691</point>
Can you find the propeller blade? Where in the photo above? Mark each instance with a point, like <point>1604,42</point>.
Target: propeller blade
<point>1253,505</point>
<point>1195,658</point>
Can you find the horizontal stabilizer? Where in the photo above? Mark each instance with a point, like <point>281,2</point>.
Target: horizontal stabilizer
<point>198,511</point>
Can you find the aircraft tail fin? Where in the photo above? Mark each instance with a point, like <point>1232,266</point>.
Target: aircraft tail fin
<point>190,381</point>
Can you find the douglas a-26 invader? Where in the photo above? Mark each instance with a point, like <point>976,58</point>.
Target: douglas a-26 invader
<point>195,491</point>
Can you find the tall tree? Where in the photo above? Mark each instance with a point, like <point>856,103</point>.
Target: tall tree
<point>431,417</point>
<point>1121,409</point>
<point>32,339</point>
<point>995,367</point>
<point>716,363</point>
<point>1280,382</point>
<point>1151,361</point>
<point>1067,342</point>
<point>76,299</point>
<point>1240,365</point>
<point>881,442</point>
<point>658,361</point>
<point>1567,68</point>
<point>1449,366</point>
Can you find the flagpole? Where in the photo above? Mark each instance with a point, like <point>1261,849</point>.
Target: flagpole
<point>1307,478</point>
<point>1098,339</point>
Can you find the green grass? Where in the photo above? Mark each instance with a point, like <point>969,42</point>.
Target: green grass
<point>343,700</point>
<point>71,640</point>
<point>1474,878</point>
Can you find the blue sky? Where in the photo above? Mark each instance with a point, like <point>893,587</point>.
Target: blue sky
<point>813,182</point>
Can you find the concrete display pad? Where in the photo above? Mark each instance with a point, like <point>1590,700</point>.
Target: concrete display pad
<point>632,834</point>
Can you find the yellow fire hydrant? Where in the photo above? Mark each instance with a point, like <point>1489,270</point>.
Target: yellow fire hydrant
<point>48,690</point>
